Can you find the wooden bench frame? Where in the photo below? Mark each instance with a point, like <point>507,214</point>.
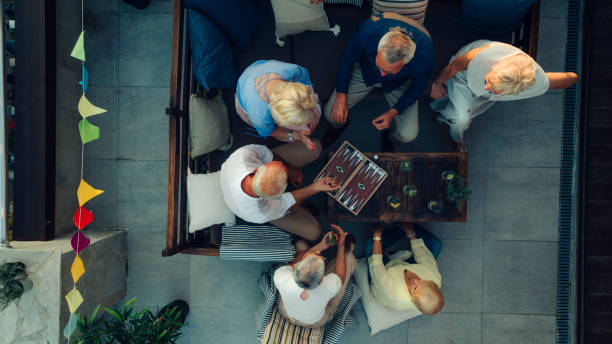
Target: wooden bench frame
<point>182,84</point>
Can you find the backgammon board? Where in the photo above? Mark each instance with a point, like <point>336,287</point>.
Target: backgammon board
<point>358,177</point>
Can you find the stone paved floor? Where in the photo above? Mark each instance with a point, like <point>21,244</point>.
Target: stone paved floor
<point>499,268</point>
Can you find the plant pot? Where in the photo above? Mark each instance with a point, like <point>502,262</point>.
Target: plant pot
<point>180,305</point>
<point>26,282</point>
<point>9,271</point>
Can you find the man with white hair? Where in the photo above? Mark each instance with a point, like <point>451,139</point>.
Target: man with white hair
<point>388,51</point>
<point>253,181</point>
<point>310,290</point>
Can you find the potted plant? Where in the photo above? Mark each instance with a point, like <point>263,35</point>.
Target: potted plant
<point>457,192</point>
<point>13,283</point>
<point>126,326</point>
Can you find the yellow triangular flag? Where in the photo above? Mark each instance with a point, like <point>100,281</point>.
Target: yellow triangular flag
<point>78,52</point>
<point>74,299</point>
<point>85,192</point>
<point>77,270</point>
<point>87,109</point>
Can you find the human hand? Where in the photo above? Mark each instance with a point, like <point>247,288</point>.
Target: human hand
<point>383,121</point>
<point>408,228</point>
<point>295,176</point>
<point>312,125</point>
<point>438,90</point>
<point>303,137</point>
<point>330,239</point>
<point>341,234</point>
<point>340,110</point>
<point>326,184</point>
<point>377,230</point>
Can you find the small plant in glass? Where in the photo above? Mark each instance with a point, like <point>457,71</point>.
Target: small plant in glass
<point>457,192</point>
<point>435,206</point>
<point>449,176</point>
<point>406,166</point>
<point>394,201</point>
<point>410,190</point>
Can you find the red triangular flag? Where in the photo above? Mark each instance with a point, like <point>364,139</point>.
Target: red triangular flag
<point>82,217</point>
<point>79,242</point>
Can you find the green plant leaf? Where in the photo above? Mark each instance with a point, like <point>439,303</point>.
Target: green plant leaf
<point>129,303</point>
<point>113,313</point>
<point>162,334</point>
<point>93,315</point>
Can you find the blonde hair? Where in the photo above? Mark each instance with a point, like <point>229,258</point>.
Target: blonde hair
<point>292,104</point>
<point>270,181</point>
<point>396,46</point>
<point>430,299</point>
<point>513,74</point>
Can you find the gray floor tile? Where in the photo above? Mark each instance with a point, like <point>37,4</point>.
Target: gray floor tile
<point>395,334</point>
<point>144,49</point>
<point>443,328</point>
<point>106,146</point>
<point>522,203</point>
<point>142,195</point>
<point>473,227</point>
<point>143,126</point>
<point>551,44</point>
<point>514,328</point>
<point>519,277</point>
<point>225,325</point>
<point>460,264</point>
<point>234,283</point>
<point>102,175</point>
<point>475,142</point>
<point>102,48</point>
<point>525,133</point>
<point>156,6</point>
<point>101,5</point>
<point>155,280</point>
<point>553,8</point>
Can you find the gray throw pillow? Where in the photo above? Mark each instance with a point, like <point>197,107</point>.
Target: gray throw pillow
<point>208,124</point>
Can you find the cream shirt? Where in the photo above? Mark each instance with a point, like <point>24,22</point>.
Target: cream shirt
<point>240,164</point>
<point>388,285</point>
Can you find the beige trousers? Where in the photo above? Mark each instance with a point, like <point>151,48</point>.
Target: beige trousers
<point>332,305</point>
<point>406,123</point>
<point>298,220</point>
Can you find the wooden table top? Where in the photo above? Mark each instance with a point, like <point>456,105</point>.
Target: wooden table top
<point>425,176</point>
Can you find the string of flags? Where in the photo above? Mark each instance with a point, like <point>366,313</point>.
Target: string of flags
<point>85,192</point>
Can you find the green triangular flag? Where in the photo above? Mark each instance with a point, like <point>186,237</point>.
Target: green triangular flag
<point>88,131</point>
<point>70,326</point>
<point>78,52</point>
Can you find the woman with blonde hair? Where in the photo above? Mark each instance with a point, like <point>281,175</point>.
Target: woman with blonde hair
<point>277,99</point>
<point>484,72</point>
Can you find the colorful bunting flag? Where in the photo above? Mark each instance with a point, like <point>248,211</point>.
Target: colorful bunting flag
<point>74,300</point>
<point>78,52</point>
<point>87,109</point>
<point>78,269</point>
<point>82,217</point>
<point>88,131</point>
<point>79,242</point>
<point>85,192</point>
<point>71,326</point>
<point>84,78</point>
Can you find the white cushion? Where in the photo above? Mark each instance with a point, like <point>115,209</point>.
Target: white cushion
<point>379,317</point>
<point>296,16</point>
<point>205,202</point>
<point>208,124</point>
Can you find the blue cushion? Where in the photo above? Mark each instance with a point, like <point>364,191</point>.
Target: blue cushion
<point>494,17</point>
<point>211,54</point>
<point>237,18</point>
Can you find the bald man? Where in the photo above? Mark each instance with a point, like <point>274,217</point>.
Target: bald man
<point>253,181</point>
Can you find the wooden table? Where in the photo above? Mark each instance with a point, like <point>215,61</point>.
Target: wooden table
<point>425,175</point>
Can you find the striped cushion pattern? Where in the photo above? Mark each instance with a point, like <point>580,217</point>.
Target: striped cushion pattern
<point>281,331</point>
<point>256,243</point>
<point>413,9</point>
<point>357,3</point>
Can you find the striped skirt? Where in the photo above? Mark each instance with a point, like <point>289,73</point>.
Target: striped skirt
<point>413,9</point>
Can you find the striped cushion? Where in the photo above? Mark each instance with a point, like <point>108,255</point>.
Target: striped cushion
<point>413,9</point>
<point>281,331</point>
<point>256,243</point>
<point>357,3</point>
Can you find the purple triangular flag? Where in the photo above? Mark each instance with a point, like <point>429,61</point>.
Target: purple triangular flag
<point>79,242</point>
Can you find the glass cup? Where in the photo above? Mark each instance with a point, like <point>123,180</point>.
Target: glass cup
<point>406,166</point>
<point>394,201</point>
<point>435,206</point>
<point>410,190</point>
<point>449,176</point>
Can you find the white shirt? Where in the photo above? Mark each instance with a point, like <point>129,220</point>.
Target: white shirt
<point>240,164</point>
<point>312,309</point>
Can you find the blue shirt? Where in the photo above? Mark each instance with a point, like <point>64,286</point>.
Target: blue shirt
<point>363,48</point>
<point>249,99</point>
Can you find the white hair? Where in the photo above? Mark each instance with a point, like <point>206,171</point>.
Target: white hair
<point>396,46</point>
<point>269,183</point>
<point>292,104</point>
<point>309,271</point>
